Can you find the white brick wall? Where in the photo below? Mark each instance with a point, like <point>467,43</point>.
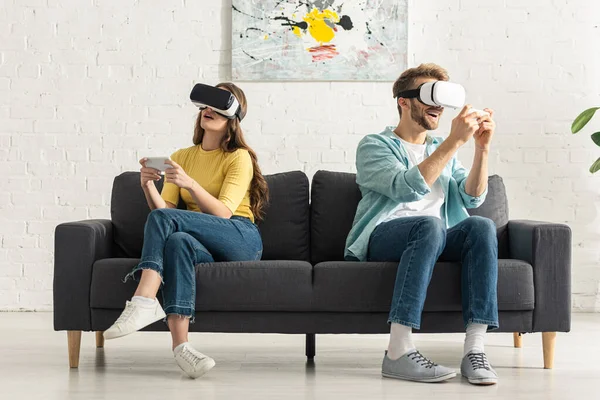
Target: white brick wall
<point>89,87</point>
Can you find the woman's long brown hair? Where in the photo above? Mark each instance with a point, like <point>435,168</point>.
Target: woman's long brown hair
<point>233,140</point>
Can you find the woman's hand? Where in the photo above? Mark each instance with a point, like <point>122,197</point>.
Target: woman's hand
<point>177,176</point>
<point>148,175</point>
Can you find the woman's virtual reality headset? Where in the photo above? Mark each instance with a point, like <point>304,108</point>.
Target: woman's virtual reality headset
<point>438,94</point>
<point>219,100</point>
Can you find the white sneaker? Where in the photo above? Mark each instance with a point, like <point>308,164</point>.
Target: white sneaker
<point>133,318</point>
<point>192,362</point>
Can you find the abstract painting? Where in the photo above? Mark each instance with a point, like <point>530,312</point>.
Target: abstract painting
<point>329,40</point>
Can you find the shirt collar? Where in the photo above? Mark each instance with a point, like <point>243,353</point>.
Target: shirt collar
<point>389,132</point>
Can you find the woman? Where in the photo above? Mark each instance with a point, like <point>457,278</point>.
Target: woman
<point>219,180</point>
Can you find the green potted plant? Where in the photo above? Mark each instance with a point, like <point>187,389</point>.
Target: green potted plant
<point>582,121</point>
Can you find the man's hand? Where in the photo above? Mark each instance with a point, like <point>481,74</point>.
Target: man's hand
<point>177,176</point>
<point>487,127</point>
<point>464,126</point>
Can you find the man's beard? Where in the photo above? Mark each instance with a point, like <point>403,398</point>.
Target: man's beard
<point>420,117</point>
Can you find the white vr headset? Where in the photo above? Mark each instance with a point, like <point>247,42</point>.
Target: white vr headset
<point>437,94</point>
<point>219,100</point>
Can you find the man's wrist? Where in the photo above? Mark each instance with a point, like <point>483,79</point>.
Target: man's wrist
<point>453,143</point>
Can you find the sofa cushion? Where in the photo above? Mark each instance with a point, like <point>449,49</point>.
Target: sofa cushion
<point>285,230</point>
<point>495,207</point>
<point>346,286</point>
<point>128,212</point>
<point>335,197</point>
<point>224,286</point>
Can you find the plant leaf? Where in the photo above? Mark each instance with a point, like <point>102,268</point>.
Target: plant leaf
<point>582,119</point>
<point>595,166</point>
<point>596,138</point>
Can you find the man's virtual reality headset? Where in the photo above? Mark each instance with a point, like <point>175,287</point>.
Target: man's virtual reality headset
<point>438,94</point>
<point>219,100</point>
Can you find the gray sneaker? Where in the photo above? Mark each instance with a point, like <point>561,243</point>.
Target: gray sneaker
<point>415,367</point>
<point>476,368</point>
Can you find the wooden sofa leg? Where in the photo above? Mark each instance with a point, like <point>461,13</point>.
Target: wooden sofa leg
<point>99,339</point>
<point>548,341</point>
<point>74,342</point>
<point>518,339</point>
<point>310,346</point>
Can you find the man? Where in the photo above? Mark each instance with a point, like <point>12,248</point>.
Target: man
<point>415,194</point>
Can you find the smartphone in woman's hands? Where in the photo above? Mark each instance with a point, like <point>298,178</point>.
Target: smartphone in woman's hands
<point>158,163</point>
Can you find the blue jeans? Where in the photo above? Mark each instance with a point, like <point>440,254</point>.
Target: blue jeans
<point>175,241</point>
<point>418,242</point>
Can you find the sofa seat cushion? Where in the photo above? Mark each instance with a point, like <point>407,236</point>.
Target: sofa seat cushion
<point>343,286</point>
<point>223,286</point>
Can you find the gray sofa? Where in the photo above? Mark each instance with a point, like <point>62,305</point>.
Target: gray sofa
<point>303,285</point>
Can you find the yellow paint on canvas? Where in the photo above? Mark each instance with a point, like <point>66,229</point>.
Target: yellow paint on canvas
<point>317,27</point>
<point>297,31</point>
<point>266,37</point>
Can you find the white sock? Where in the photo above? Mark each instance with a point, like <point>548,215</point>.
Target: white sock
<point>400,341</point>
<point>177,349</point>
<point>143,301</point>
<point>475,338</point>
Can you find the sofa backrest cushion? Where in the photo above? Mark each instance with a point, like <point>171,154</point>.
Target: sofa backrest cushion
<point>128,212</point>
<point>335,197</point>
<point>285,230</point>
<point>495,207</point>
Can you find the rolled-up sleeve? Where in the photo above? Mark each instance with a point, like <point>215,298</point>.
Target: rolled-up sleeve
<point>378,169</point>
<point>460,175</point>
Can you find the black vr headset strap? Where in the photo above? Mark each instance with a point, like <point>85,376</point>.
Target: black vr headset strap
<point>410,94</point>
<point>238,113</point>
<point>415,93</point>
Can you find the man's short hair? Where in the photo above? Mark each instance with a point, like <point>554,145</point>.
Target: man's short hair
<point>407,80</point>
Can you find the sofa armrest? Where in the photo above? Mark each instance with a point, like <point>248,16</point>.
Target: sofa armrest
<point>77,245</point>
<point>547,247</point>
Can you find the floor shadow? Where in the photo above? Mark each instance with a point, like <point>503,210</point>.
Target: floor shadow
<point>310,367</point>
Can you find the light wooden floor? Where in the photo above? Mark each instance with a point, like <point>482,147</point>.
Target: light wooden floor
<point>34,365</point>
